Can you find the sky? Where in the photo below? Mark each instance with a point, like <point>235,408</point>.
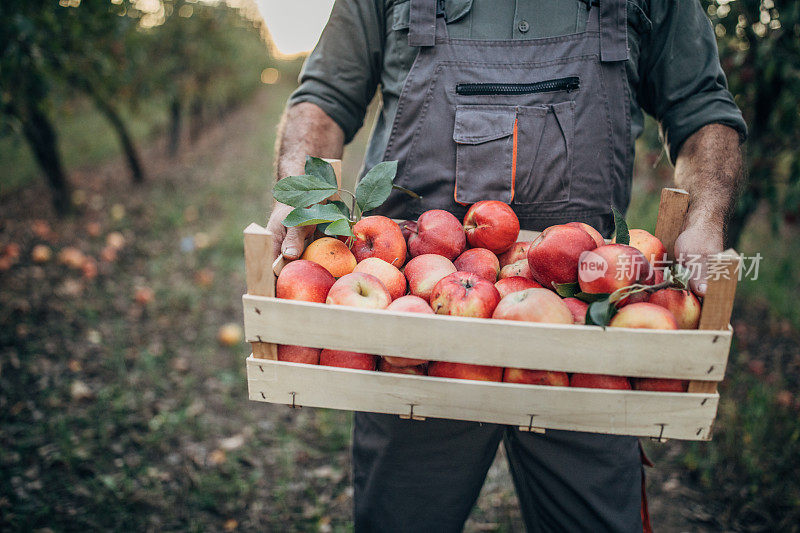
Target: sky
<point>295,25</point>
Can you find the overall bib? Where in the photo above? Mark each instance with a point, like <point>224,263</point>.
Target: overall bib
<point>543,125</point>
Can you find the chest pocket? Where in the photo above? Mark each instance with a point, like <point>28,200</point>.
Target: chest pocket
<point>454,10</point>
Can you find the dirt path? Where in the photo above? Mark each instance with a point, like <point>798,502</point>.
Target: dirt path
<point>121,410</point>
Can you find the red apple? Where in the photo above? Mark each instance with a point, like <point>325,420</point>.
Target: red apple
<point>644,316</point>
<point>344,359</point>
<point>660,384</point>
<point>378,236</point>
<point>506,286</point>
<point>479,261</point>
<point>578,309</point>
<point>464,294</point>
<point>611,267</point>
<point>390,276</point>
<point>385,366</point>
<point>599,381</point>
<point>517,252</point>
<point>444,369</point>
<point>535,377</point>
<point>359,290</point>
<point>491,224</point>
<point>681,303</point>
<point>652,248</point>
<point>424,272</point>
<point>519,269</point>
<point>598,238</point>
<point>409,304</point>
<point>554,254</point>
<point>298,354</point>
<point>533,305</point>
<point>304,280</point>
<point>436,232</point>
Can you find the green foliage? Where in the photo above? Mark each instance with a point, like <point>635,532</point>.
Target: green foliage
<point>759,44</point>
<point>621,233</point>
<point>600,312</point>
<point>305,192</point>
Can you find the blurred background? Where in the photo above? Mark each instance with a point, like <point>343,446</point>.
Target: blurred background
<point>136,142</point>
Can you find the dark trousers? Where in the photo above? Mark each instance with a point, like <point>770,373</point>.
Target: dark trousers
<point>419,476</point>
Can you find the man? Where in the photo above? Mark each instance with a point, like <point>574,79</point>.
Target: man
<point>536,103</point>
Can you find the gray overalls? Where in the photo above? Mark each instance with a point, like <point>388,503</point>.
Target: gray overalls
<point>543,125</point>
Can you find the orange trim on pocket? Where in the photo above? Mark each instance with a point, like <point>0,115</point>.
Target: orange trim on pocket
<point>514,161</point>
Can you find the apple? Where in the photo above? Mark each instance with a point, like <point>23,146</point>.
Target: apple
<point>491,224</point>
<point>479,261</point>
<point>506,286</point>
<point>660,384</point>
<point>385,366</point>
<point>298,354</point>
<point>304,280</point>
<point>379,236</point>
<point>644,316</point>
<point>331,253</point>
<point>392,278</point>
<point>359,290</point>
<point>681,303</point>
<point>611,267</point>
<point>409,304</point>
<point>652,248</point>
<point>535,377</point>
<point>599,381</point>
<point>436,232</point>
<point>230,334</point>
<point>345,359</point>
<point>41,253</point>
<point>598,238</point>
<point>553,256</point>
<point>445,369</point>
<point>578,309</point>
<point>519,269</point>
<point>464,294</point>
<point>533,305</point>
<point>424,272</point>
<point>517,252</point>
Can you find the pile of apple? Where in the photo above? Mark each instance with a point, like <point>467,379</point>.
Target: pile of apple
<point>478,269</point>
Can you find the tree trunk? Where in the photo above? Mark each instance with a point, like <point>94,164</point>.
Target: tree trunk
<point>41,137</point>
<point>132,155</point>
<point>175,127</point>
<point>196,119</point>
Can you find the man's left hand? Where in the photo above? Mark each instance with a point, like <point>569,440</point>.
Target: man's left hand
<point>693,247</point>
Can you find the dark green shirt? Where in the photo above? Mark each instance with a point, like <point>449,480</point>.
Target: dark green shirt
<point>673,71</point>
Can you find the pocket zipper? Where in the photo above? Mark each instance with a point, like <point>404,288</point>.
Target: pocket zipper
<point>478,89</point>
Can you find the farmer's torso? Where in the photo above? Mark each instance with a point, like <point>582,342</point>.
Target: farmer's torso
<point>532,109</point>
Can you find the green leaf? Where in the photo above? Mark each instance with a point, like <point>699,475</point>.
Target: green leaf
<point>679,275</point>
<point>342,207</point>
<point>621,232</point>
<point>339,227</point>
<point>316,214</point>
<point>321,169</point>
<point>409,192</point>
<point>302,191</point>
<point>566,290</point>
<point>600,313</point>
<point>375,187</point>
<point>589,297</point>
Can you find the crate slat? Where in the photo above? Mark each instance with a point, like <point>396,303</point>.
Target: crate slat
<point>679,354</point>
<point>646,414</point>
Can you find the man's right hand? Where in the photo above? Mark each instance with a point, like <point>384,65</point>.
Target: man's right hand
<point>288,241</point>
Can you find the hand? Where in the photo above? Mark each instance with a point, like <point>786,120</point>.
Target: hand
<point>288,241</point>
<point>694,245</point>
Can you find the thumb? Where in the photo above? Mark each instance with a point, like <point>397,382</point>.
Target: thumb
<point>697,283</point>
<point>294,242</point>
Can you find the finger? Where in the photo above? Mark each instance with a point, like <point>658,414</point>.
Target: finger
<point>278,234</point>
<point>294,242</point>
<point>698,283</point>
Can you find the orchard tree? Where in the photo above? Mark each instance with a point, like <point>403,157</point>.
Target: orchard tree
<point>759,44</point>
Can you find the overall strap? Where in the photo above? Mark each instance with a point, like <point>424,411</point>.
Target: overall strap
<point>613,30</point>
<point>422,21</point>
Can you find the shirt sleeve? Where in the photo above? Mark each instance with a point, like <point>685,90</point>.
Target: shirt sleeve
<point>341,75</point>
<point>682,83</point>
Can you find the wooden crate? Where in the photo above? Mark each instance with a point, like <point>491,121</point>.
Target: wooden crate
<point>697,355</point>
